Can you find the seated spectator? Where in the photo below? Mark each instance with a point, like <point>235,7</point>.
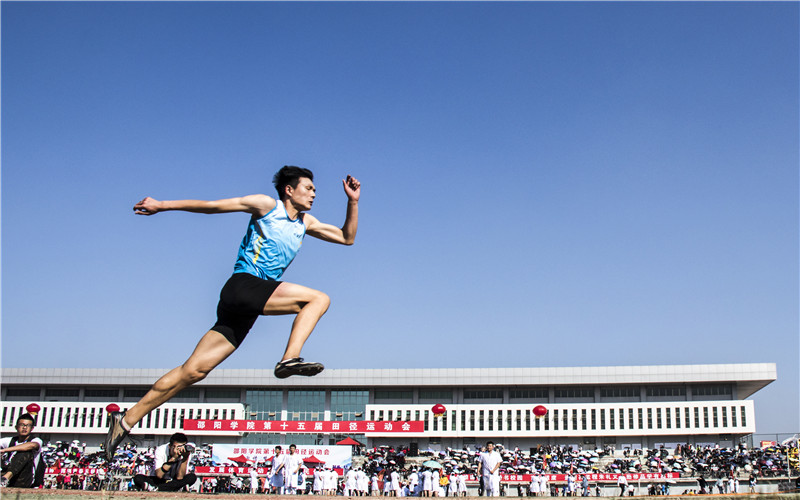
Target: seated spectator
<point>21,455</point>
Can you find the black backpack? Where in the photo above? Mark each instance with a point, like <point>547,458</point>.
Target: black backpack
<point>38,474</point>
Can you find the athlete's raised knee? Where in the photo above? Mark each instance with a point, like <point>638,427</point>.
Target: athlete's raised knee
<point>322,299</point>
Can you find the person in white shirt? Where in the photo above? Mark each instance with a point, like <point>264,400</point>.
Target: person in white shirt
<point>329,485</point>
<point>375,488</point>
<point>278,479</point>
<point>350,485</point>
<point>544,486</point>
<point>317,486</point>
<point>462,485</point>
<point>171,472</point>
<point>253,481</point>
<point>21,454</point>
<point>362,481</point>
<point>414,483</point>
<point>427,482</point>
<point>622,482</point>
<point>534,487</point>
<point>293,463</point>
<point>489,466</point>
<point>395,483</point>
<point>452,485</point>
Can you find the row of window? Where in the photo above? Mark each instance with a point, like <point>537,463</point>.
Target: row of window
<point>352,399</point>
<point>576,419</point>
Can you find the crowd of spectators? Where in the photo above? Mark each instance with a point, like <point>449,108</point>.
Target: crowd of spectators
<point>717,469</point>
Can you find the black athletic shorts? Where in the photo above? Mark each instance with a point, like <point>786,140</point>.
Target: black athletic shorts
<point>241,302</point>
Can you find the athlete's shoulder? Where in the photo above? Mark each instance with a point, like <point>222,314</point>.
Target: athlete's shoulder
<point>259,204</point>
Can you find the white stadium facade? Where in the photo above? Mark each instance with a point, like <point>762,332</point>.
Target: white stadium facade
<point>623,406</point>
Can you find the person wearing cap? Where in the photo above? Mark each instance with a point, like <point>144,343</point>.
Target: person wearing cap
<point>21,455</point>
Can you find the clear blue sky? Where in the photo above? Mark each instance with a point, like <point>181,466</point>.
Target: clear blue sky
<point>544,184</point>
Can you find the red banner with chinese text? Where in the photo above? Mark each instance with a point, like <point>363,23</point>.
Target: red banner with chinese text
<point>261,471</point>
<point>300,426</point>
<point>598,477</point>
<point>91,471</point>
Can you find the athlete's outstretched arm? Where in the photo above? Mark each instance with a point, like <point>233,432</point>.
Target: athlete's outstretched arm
<point>256,204</point>
<point>346,234</point>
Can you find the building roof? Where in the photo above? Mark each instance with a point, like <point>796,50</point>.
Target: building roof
<point>749,377</point>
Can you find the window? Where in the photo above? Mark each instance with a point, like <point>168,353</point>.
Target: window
<point>101,394</point>
<point>394,396</point>
<point>522,395</point>
<point>619,392</point>
<point>223,395</point>
<point>133,394</point>
<point>436,395</point>
<point>305,405</point>
<point>61,394</point>
<point>266,405</point>
<point>188,395</point>
<point>666,391</point>
<point>709,391</point>
<point>487,395</point>
<point>349,404</point>
<point>575,392</point>
<point>22,393</point>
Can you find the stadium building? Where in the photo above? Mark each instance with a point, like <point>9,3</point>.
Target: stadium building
<point>624,406</point>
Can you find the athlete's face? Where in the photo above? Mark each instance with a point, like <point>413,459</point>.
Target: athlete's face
<point>302,197</point>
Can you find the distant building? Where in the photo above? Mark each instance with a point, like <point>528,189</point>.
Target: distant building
<point>624,406</point>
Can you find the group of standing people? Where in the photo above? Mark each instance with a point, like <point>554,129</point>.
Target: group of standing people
<point>424,482</point>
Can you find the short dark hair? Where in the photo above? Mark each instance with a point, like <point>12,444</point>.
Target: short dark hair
<point>290,175</point>
<point>178,437</point>
<point>489,443</point>
<point>278,448</point>
<point>26,416</point>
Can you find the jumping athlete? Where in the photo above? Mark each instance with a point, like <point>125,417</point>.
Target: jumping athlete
<point>273,237</point>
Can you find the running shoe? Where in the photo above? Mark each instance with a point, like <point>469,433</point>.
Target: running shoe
<point>116,433</point>
<point>3,482</point>
<point>296,366</point>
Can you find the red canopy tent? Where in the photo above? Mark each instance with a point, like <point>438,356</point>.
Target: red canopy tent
<point>350,441</point>
<point>241,459</point>
<point>313,460</point>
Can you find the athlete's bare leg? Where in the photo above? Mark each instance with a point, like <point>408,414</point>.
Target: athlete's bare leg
<point>307,303</point>
<point>212,350</point>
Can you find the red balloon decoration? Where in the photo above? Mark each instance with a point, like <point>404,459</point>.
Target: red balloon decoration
<point>438,410</point>
<point>33,408</point>
<point>539,411</point>
<point>112,407</point>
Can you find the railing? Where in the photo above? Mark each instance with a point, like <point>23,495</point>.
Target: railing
<point>590,419</point>
<point>92,418</point>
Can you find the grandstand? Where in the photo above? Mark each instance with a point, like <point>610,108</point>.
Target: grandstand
<point>622,406</point>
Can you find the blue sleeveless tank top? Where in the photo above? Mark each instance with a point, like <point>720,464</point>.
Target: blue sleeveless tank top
<point>270,244</point>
